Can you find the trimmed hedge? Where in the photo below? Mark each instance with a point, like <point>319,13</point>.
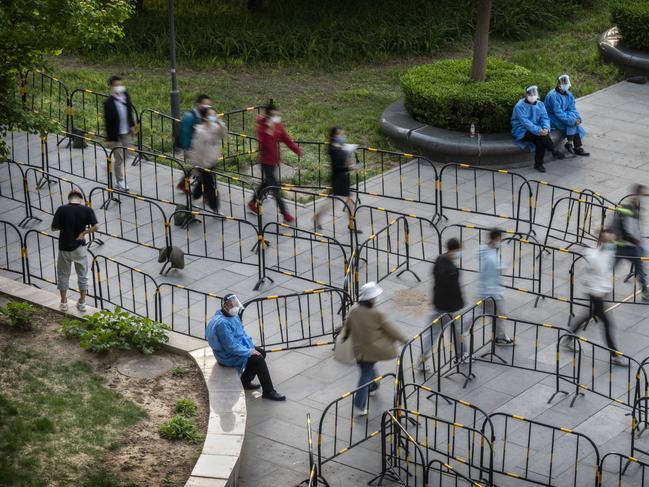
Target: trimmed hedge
<point>442,94</point>
<point>632,19</point>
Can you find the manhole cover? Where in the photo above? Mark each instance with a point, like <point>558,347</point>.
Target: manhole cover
<point>144,366</point>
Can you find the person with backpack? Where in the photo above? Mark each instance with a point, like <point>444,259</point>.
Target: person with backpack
<point>270,133</point>
<point>629,244</point>
<point>187,126</point>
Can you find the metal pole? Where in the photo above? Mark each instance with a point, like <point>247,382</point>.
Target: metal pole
<point>175,94</point>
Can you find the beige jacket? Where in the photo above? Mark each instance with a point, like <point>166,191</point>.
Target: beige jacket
<point>206,144</point>
<point>373,335</point>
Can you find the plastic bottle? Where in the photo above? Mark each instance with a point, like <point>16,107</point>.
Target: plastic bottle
<point>472,130</point>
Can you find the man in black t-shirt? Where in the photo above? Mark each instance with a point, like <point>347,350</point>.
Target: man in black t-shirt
<point>74,221</point>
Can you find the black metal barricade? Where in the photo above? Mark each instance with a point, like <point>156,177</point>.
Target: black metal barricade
<point>27,149</point>
<point>12,256</point>
<point>619,470</point>
<point>543,454</point>
<point>81,156</point>
<point>233,192</point>
<point>130,218</point>
<point>46,192</point>
<point>439,473</point>
<point>87,113</point>
<point>13,186</point>
<point>46,95</point>
<point>158,133</point>
<point>309,318</point>
<point>186,310</point>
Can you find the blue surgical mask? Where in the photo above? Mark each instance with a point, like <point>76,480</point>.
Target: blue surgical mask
<point>609,246</point>
<point>339,139</point>
<point>212,118</point>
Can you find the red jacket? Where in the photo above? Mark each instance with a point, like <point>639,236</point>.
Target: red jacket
<point>269,143</point>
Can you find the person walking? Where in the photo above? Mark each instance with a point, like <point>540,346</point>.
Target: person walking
<point>73,221</point>
<point>233,347</point>
<point>270,132</point>
<point>629,244</point>
<point>187,125</point>
<point>120,128</point>
<point>598,283</point>
<point>531,127</point>
<point>447,299</point>
<point>373,337</point>
<point>564,117</point>
<point>340,167</point>
<point>204,152</point>
<point>490,285</point>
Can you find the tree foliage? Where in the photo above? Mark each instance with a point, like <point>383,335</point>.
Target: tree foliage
<point>31,30</point>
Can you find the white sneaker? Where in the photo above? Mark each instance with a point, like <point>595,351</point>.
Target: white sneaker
<point>63,306</point>
<point>122,186</point>
<point>360,412</point>
<point>81,307</point>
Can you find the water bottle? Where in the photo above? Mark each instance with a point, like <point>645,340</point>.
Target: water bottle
<point>472,130</point>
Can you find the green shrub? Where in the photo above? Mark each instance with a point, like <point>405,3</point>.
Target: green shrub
<point>179,371</point>
<point>180,428</point>
<point>108,330</point>
<point>442,94</point>
<point>632,19</point>
<point>19,313</point>
<point>185,407</point>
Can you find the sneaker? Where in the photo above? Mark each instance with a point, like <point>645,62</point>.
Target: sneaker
<point>122,186</point>
<point>81,306</point>
<point>569,345</point>
<point>63,306</point>
<point>273,396</point>
<point>619,362</point>
<point>288,218</point>
<point>360,412</point>
<point>558,155</point>
<point>249,386</point>
<point>317,225</point>
<point>181,186</point>
<point>252,206</point>
<point>581,152</point>
<point>539,167</point>
<point>504,341</point>
<point>374,390</point>
<point>645,295</point>
<point>569,148</point>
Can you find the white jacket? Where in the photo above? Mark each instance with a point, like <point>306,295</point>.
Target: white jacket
<point>206,144</point>
<point>598,280</point>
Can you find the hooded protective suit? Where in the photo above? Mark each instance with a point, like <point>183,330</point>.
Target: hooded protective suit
<point>229,341</point>
<point>528,117</point>
<point>563,113</point>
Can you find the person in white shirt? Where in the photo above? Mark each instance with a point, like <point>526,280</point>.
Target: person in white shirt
<point>120,128</point>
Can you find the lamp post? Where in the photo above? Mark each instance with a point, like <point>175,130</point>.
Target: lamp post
<point>174,94</point>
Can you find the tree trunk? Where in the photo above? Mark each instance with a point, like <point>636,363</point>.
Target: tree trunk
<point>481,41</point>
<point>255,5</point>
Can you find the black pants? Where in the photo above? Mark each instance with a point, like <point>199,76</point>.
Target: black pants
<point>597,311</point>
<point>575,140</point>
<point>257,366</point>
<point>542,143</point>
<point>207,186</point>
<point>268,179</point>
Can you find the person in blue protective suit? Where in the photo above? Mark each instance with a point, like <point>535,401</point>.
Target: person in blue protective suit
<point>564,117</point>
<point>233,347</point>
<point>531,127</point>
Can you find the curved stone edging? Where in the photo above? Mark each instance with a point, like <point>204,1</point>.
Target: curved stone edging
<point>630,61</point>
<point>441,145</point>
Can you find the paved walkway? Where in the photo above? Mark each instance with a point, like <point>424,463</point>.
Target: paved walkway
<point>275,450</point>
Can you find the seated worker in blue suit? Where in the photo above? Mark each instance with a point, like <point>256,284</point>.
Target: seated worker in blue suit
<point>531,127</point>
<point>233,347</point>
<point>564,117</point>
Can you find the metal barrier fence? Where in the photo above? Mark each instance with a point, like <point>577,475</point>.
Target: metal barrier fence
<point>309,318</point>
<point>12,256</point>
<point>615,472</point>
<point>87,112</point>
<point>90,163</point>
<point>12,186</point>
<point>340,428</point>
<point>26,149</point>
<point>186,310</point>
<point>47,96</point>
<point>46,192</point>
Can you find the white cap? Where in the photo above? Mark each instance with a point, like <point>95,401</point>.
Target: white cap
<point>369,291</point>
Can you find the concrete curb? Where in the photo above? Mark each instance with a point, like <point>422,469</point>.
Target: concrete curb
<point>628,60</point>
<point>218,464</point>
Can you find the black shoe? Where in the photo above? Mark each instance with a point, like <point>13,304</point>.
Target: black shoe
<point>569,148</point>
<point>274,396</point>
<point>249,386</point>
<point>539,167</point>
<point>558,155</point>
<point>581,152</point>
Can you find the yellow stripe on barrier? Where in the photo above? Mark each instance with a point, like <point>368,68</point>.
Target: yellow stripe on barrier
<point>566,430</point>
<point>520,418</point>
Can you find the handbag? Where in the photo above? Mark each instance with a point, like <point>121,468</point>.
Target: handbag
<point>344,349</point>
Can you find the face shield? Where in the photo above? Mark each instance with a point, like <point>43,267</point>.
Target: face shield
<point>564,82</point>
<point>231,305</point>
<point>532,93</point>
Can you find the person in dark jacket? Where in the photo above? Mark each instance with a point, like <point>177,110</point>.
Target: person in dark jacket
<point>270,132</point>
<point>447,299</point>
<point>120,127</point>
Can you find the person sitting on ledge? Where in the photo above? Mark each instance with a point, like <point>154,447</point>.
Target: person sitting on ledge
<point>233,347</point>
<point>564,117</point>
<point>531,127</point>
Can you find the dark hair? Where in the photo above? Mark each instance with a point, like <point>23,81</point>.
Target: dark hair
<point>453,244</point>
<point>113,78</point>
<point>203,112</point>
<point>639,188</point>
<point>200,98</point>
<point>75,193</point>
<point>332,132</point>
<point>495,233</point>
<point>270,107</point>
<point>366,304</point>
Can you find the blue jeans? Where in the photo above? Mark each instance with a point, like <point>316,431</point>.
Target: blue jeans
<point>633,254</point>
<point>368,373</point>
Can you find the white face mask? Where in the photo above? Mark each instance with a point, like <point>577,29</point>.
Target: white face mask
<point>276,119</point>
<point>212,118</point>
<point>234,311</point>
<point>456,258</point>
<point>118,90</point>
<point>565,87</point>
<point>532,98</point>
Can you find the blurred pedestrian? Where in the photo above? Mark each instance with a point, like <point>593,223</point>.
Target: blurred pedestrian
<point>341,163</point>
<point>120,127</point>
<point>490,285</point>
<point>187,125</point>
<point>233,347</point>
<point>447,299</point>
<point>73,221</point>
<point>373,337</point>
<point>598,283</point>
<point>564,117</point>
<point>270,132</point>
<point>204,152</point>
<point>626,225</point>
